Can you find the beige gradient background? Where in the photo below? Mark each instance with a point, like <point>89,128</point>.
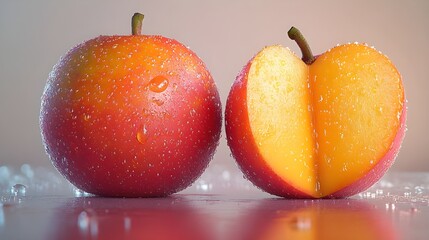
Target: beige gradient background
<point>225,34</point>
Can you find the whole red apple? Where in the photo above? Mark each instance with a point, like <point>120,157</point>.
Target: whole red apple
<point>329,126</point>
<point>133,116</point>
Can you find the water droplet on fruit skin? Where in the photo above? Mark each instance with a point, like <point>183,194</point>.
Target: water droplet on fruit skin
<point>158,84</point>
<point>158,102</point>
<point>86,117</point>
<point>142,135</point>
<point>146,112</point>
<point>175,86</point>
<point>317,186</point>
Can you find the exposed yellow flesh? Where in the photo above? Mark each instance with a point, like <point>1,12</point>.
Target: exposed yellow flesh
<point>322,127</point>
<point>278,106</point>
<point>358,99</point>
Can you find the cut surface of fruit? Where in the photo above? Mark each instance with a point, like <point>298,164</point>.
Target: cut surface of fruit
<point>358,100</point>
<point>321,127</point>
<point>278,106</point>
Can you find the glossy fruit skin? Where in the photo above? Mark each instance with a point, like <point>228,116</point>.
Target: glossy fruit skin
<point>130,116</point>
<point>251,162</point>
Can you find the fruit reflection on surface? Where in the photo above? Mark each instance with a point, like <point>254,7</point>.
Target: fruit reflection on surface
<point>133,116</point>
<point>329,126</point>
<point>274,220</point>
<point>116,218</point>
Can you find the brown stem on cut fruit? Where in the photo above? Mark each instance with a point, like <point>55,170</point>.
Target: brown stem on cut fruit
<point>136,23</point>
<point>296,35</point>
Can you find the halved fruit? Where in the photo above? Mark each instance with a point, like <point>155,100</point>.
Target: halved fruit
<point>327,129</point>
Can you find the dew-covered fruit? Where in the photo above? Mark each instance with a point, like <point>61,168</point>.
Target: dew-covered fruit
<point>328,127</point>
<point>130,116</point>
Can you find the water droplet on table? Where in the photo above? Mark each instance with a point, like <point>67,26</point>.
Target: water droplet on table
<point>80,193</point>
<point>18,190</point>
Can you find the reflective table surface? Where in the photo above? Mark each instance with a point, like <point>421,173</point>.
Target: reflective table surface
<point>37,203</point>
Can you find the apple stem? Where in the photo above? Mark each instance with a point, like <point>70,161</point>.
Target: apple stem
<point>296,35</point>
<point>136,23</point>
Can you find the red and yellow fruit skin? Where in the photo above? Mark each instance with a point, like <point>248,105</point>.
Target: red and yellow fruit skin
<point>112,124</point>
<point>243,146</point>
<point>245,150</point>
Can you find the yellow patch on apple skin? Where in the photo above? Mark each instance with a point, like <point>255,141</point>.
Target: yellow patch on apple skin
<point>278,103</point>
